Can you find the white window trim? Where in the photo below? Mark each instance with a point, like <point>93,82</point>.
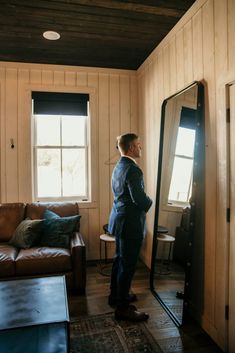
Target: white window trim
<point>167,169</point>
<point>92,141</point>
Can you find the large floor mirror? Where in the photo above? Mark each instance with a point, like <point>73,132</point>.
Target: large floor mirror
<point>176,278</point>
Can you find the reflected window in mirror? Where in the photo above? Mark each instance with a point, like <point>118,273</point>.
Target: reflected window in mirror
<point>180,188</point>
<point>178,151</point>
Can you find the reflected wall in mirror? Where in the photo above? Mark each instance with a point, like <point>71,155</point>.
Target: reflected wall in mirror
<point>177,257</point>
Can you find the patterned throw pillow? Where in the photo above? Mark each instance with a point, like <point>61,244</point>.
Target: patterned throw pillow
<point>27,233</point>
<point>57,231</point>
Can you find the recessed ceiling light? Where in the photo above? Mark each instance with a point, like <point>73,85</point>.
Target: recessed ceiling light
<point>51,35</point>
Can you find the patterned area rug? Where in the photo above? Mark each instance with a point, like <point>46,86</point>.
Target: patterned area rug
<point>104,334</point>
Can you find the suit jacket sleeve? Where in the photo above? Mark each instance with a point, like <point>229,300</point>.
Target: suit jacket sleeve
<point>135,183</point>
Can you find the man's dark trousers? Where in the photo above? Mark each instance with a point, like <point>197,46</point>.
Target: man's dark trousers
<point>124,265</point>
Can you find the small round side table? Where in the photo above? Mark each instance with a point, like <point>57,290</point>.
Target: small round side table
<point>162,230</point>
<point>166,239</point>
<point>105,239</point>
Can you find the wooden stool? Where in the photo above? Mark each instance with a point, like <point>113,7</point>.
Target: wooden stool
<point>105,239</point>
<point>166,239</point>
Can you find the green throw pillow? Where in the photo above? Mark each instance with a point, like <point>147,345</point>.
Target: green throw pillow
<point>27,233</point>
<point>57,231</point>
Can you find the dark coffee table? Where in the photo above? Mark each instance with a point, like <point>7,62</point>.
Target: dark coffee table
<point>34,316</point>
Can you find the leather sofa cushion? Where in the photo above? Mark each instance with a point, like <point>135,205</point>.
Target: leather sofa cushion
<point>43,260</point>
<point>8,255</point>
<point>11,214</point>
<point>35,210</point>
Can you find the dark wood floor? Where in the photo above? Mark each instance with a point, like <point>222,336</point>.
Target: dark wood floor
<point>190,339</point>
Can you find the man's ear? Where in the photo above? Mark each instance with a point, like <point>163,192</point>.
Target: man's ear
<point>131,146</point>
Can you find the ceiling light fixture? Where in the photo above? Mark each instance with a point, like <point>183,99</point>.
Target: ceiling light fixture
<point>51,35</point>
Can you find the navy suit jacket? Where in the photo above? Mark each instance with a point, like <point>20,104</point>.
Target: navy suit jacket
<point>128,215</point>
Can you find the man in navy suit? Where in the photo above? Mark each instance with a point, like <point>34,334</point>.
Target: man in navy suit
<point>127,222</point>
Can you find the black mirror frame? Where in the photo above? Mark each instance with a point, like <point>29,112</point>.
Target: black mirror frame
<point>198,179</point>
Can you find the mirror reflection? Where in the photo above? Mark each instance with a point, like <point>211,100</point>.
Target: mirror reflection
<point>174,200</point>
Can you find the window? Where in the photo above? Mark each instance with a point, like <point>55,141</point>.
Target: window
<point>181,179</point>
<point>60,152</point>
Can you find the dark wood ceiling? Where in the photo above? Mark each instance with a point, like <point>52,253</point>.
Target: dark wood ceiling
<point>101,33</point>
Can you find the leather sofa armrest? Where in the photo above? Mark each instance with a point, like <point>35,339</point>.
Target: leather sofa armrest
<point>77,240</point>
<point>78,253</point>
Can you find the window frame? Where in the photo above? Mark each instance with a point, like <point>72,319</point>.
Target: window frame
<point>184,157</point>
<point>177,203</point>
<point>176,206</point>
<point>92,141</point>
<point>60,148</point>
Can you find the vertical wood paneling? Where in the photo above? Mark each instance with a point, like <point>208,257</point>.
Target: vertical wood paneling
<point>35,76</point>
<point>47,77</point>
<point>231,34</point>
<point>156,126</point>
<point>143,99</point>
<point>221,37</point>
<point>3,195</point>
<point>141,102</point>
<point>93,233</point>
<point>70,78</point>
<point>84,229</point>
<point>81,78</point>
<point>114,113</point>
<point>134,104</point>
<point>149,175</point>
<point>180,59</point>
<point>150,125</point>
<point>143,122</point>
<point>104,182</point>
<point>161,96</point>
<point>188,46</point>
<point>59,78</point>
<point>144,131</point>
<point>166,71</point>
<point>197,46</point>
<point>141,106</point>
<point>24,136</point>
<point>93,81</point>
<point>144,111</point>
<point>11,117</point>
<point>93,214</point>
<point>173,72</point>
<point>210,184</point>
<point>125,104</point>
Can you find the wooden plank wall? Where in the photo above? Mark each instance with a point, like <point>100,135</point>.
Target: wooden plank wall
<point>200,47</point>
<point>113,111</point>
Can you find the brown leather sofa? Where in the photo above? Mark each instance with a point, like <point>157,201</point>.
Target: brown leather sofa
<point>41,261</point>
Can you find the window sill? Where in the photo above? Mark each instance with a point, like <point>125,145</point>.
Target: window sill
<point>175,208</point>
<point>81,204</point>
<point>87,204</point>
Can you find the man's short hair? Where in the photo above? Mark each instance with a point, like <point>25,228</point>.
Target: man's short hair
<point>124,141</point>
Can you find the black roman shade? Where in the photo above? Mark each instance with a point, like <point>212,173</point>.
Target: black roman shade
<point>52,103</point>
<point>188,118</point>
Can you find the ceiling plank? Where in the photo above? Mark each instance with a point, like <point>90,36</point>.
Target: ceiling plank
<point>104,33</point>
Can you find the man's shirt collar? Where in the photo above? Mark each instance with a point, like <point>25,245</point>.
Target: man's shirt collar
<point>131,159</point>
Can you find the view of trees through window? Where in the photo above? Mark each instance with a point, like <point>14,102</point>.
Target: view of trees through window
<point>60,154</point>
<point>181,179</point>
